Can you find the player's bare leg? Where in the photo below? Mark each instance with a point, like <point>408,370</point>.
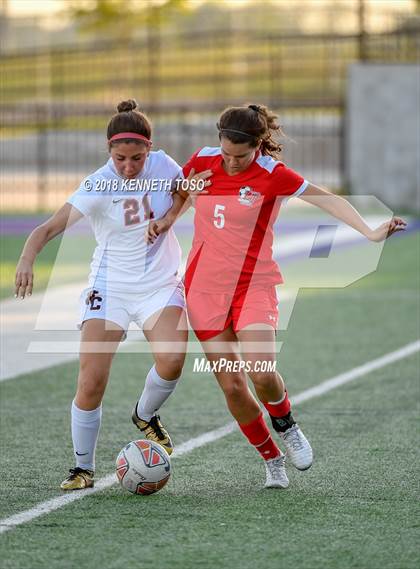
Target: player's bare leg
<point>100,340</point>
<point>244,407</point>
<point>271,391</point>
<point>167,333</point>
<point>269,385</point>
<point>239,398</point>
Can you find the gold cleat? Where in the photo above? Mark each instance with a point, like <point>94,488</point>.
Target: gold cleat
<point>154,431</point>
<point>79,479</point>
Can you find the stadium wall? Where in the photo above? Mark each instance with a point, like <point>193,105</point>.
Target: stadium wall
<point>383,133</point>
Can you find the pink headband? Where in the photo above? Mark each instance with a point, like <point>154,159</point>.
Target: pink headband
<point>123,135</point>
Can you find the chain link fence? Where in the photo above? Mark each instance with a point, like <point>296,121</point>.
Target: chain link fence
<point>55,105</point>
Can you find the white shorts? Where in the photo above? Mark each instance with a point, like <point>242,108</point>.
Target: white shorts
<point>123,308</point>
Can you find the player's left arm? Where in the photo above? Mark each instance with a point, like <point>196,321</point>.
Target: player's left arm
<point>344,211</point>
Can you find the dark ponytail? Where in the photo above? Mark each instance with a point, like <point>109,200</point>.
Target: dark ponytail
<point>251,124</point>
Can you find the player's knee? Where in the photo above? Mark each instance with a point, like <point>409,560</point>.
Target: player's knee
<point>235,388</point>
<point>170,365</point>
<point>90,395</point>
<point>262,379</point>
<point>92,382</point>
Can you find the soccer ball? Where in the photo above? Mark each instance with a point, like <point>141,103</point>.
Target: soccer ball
<point>143,467</point>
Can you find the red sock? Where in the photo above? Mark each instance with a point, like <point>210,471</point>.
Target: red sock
<point>259,436</point>
<point>279,408</point>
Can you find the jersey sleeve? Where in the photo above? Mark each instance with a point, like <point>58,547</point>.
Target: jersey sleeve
<point>174,170</point>
<point>86,199</point>
<point>188,166</point>
<point>287,182</point>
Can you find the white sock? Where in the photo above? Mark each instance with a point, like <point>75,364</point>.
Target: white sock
<point>85,427</point>
<point>156,391</point>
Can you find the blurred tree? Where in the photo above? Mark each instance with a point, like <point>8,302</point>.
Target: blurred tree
<point>411,22</point>
<point>121,19</point>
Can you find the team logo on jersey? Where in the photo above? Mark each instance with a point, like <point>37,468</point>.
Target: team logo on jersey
<point>248,196</point>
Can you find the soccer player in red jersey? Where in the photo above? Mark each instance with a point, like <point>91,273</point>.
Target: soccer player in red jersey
<point>231,275</point>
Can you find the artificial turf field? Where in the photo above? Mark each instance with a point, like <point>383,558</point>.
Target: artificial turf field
<point>356,507</point>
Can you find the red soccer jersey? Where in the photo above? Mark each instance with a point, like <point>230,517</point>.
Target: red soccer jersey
<point>233,224</point>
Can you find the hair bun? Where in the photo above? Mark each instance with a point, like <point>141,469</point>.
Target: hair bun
<point>126,106</point>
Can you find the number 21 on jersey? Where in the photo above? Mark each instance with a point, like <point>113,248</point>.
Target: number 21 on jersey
<point>219,216</point>
<point>131,211</point>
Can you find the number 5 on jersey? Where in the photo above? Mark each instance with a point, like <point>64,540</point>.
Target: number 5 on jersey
<point>219,217</point>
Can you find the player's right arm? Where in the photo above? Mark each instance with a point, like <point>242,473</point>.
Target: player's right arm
<point>183,199</point>
<point>66,216</point>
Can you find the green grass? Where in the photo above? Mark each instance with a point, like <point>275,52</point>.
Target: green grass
<point>356,508</point>
<point>11,247</point>
<point>70,257</point>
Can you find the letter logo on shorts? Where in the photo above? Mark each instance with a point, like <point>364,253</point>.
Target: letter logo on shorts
<point>92,298</point>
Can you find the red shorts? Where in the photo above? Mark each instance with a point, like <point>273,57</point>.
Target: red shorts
<point>211,314</point>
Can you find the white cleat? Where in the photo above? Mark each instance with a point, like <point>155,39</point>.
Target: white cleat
<point>276,473</point>
<point>298,449</point>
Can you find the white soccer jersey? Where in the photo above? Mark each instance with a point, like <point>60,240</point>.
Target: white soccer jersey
<point>123,261</point>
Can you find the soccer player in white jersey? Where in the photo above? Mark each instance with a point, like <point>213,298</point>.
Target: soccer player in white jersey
<point>231,275</point>
<point>130,280</point>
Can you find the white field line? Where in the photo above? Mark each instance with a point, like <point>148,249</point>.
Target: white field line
<point>211,436</point>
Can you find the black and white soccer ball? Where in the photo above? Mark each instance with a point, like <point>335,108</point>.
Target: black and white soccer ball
<point>143,467</point>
